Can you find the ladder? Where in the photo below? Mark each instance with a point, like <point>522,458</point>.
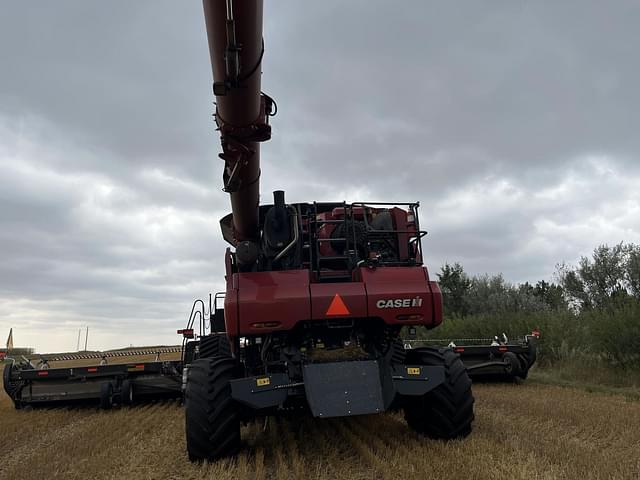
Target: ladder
<point>331,268</point>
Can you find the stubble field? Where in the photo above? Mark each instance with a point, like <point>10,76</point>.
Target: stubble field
<point>523,431</point>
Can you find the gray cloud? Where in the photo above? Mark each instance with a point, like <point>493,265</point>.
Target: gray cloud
<point>512,122</point>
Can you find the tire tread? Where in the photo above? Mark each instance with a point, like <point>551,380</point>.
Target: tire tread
<point>211,416</point>
<point>445,412</point>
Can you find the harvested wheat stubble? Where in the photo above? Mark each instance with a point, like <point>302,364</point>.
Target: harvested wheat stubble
<point>526,431</point>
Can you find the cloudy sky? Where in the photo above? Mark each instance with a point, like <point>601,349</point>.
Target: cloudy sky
<point>514,123</point>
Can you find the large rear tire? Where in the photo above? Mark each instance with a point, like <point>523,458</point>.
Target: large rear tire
<point>446,412</point>
<point>211,415</point>
<point>214,345</point>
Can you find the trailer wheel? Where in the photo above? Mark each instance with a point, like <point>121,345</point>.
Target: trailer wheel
<point>106,396</point>
<point>126,393</point>
<point>212,419</point>
<point>524,367</point>
<point>214,345</point>
<point>11,387</point>
<point>446,412</point>
<point>512,367</point>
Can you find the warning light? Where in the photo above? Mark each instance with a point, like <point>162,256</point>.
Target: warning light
<point>337,307</point>
<point>186,333</point>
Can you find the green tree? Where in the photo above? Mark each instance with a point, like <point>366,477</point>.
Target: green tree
<point>492,294</point>
<point>633,270</point>
<point>610,275</point>
<point>455,285</point>
<point>551,294</point>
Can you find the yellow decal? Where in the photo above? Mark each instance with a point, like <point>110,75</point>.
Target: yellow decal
<point>413,370</point>
<point>261,382</point>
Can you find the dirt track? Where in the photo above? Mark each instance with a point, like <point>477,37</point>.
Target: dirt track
<point>527,431</point>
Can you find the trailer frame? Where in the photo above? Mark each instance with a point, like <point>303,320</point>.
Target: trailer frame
<point>108,384</point>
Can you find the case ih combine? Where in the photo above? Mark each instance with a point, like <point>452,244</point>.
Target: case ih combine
<point>317,293</point>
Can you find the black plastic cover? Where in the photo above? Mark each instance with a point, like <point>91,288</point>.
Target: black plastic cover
<point>342,389</point>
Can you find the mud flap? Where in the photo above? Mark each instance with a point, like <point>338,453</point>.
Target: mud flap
<point>261,392</point>
<point>417,379</point>
<point>342,389</point>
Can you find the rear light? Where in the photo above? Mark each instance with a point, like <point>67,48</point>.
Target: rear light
<point>405,318</point>
<point>43,373</point>
<point>266,324</point>
<point>502,349</point>
<point>186,333</point>
<point>92,369</point>
<point>458,350</point>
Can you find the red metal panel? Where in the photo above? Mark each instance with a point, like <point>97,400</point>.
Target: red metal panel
<point>353,296</point>
<point>401,295</point>
<point>231,305</point>
<point>436,294</point>
<point>277,300</point>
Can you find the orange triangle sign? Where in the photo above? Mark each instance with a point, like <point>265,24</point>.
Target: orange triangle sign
<point>337,307</point>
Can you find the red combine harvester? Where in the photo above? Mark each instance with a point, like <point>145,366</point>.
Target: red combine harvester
<point>317,293</point>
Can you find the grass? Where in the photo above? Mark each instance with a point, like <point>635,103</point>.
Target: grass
<point>527,431</point>
<point>589,376</point>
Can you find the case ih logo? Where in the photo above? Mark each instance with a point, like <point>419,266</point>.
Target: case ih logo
<point>399,302</point>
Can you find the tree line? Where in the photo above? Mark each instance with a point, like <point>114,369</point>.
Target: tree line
<point>590,310</point>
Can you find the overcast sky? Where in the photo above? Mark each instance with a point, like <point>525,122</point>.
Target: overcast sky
<point>514,123</point>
